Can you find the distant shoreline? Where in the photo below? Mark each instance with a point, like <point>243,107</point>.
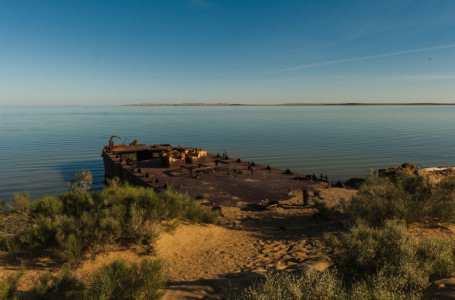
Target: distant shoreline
<point>239,104</point>
<point>293,104</point>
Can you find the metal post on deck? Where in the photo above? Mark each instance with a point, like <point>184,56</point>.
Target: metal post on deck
<point>306,196</point>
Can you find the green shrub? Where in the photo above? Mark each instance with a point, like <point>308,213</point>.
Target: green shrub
<point>385,262</point>
<point>378,258</point>
<point>15,220</point>
<point>64,285</point>
<point>48,206</point>
<point>81,182</point>
<point>116,280</point>
<point>389,251</point>
<point>382,198</point>
<point>79,221</point>
<point>119,281</point>
<point>383,287</point>
<point>436,257</point>
<point>406,196</point>
<point>314,285</point>
<point>8,285</point>
<point>309,284</point>
<point>443,200</point>
<point>4,290</point>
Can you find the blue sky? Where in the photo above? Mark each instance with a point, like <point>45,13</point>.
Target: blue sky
<point>173,51</point>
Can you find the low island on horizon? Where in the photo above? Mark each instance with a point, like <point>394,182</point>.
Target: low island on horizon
<point>294,104</point>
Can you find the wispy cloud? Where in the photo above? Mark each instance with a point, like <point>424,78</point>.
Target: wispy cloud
<point>429,77</point>
<point>360,58</point>
<point>405,77</point>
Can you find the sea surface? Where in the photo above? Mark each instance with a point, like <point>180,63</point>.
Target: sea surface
<point>42,147</point>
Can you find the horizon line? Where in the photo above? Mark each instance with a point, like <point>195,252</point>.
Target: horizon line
<point>296,104</point>
<point>245,104</point>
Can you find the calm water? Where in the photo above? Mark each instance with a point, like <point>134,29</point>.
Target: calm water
<point>42,147</point>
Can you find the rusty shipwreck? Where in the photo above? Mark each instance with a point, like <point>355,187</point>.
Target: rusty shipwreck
<point>216,177</point>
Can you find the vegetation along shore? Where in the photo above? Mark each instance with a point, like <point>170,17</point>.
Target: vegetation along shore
<point>392,238</point>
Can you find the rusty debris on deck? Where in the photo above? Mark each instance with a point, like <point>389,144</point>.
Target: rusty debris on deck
<point>215,177</point>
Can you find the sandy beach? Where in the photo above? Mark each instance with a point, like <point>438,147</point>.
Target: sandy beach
<point>208,260</point>
<point>211,261</point>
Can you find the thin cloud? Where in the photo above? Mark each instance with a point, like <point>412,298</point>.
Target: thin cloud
<point>429,77</point>
<point>360,58</point>
<point>410,77</point>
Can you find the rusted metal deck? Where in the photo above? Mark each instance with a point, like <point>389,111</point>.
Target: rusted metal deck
<point>215,177</point>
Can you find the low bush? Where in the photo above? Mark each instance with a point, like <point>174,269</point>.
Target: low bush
<point>8,285</point>
<point>406,196</point>
<point>120,281</point>
<point>383,287</point>
<point>378,258</point>
<point>81,182</point>
<point>443,201</point>
<point>367,251</point>
<point>385,262</point>
<point>79,221</point>
<point>309,284</point>
<point>116,280</point>
<point>64,285</point>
